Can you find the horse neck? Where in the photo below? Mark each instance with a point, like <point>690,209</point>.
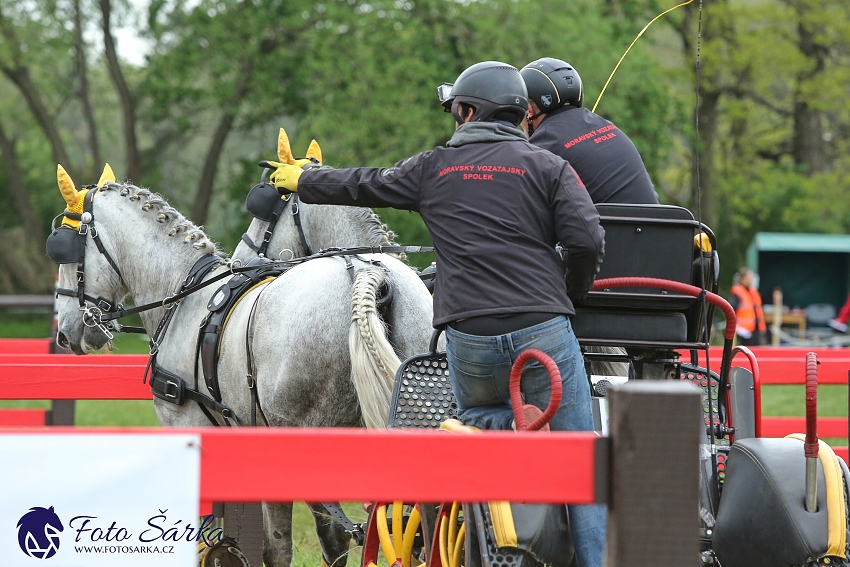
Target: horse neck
<point>152,264</point>
<point>327,226</point>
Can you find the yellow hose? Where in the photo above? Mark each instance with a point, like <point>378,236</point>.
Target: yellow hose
<point>444,549</point>
<point>456,553</point>
<point>452,527</point>
<point>384,534</point>
<point>398,516</point>
<point>409,536</point>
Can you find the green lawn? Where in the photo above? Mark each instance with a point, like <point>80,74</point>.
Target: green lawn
<point>776,400</point>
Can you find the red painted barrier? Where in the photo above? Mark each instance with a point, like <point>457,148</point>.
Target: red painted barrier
<point>70,377</point>
<point>24,346</point>
<point>782,426</point>
<point>14,417</point>
<point>282,464</point>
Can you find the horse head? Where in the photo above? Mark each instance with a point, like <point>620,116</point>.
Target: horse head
<point>82,268</point>
<point>284,227</point>
<point>276,228</point>
<point>107,249</point>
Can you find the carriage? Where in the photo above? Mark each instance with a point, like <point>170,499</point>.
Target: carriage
<point>655,296</point>
<point>651,307</point>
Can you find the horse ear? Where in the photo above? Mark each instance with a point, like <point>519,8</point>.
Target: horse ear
<point>107,176</point>
<point>284,152</point>
<point>66,186</point>
<point>314,151</point>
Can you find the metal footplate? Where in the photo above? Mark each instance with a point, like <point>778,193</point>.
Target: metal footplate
<point>422,394</point>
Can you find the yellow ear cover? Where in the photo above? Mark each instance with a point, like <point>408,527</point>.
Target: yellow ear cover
<point>66,186</point>
<point>107,176</point>
<point>314,151</point>
<point>75,199</point>
<point>284,151</point>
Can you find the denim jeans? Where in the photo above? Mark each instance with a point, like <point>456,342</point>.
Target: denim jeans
<point>479,370</point>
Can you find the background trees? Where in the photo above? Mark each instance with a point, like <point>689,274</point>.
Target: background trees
<point>221,76</point>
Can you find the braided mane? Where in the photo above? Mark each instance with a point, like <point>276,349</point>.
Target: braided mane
<point>172,219</point>
<point>376,232</point>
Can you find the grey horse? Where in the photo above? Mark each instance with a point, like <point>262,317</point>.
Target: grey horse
<point>313,332</point>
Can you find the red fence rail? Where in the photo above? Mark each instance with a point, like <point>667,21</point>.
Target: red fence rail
<point>281,463</point>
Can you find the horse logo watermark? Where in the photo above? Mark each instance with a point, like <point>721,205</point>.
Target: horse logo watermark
<point>546,100</point>
<point>38,532</point>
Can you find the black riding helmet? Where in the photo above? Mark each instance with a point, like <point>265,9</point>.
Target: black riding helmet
<point>552,83</point>
<point>495,89</point>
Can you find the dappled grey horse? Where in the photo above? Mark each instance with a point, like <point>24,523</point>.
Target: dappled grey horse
<point>320,354</point>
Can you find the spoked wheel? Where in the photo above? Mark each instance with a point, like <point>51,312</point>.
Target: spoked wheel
<point>448,547</point>
<point>393,529</point>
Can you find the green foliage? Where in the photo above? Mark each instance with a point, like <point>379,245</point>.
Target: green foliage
<point>359,76</point>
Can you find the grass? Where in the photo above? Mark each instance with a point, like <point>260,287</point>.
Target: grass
<point>776,400</point>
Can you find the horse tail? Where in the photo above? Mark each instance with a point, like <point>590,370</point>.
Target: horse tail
<point>373,360</point>
<point>604,368</point>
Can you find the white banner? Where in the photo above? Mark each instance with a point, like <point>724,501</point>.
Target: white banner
<point>100,500</point>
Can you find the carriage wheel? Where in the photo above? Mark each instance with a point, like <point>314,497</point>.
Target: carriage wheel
<point>447,549</point>
<point>395,537</point>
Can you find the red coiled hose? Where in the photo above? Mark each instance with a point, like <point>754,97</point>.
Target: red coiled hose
<point>692,290</point>
<point>516,397</point>
<point>811,444</point>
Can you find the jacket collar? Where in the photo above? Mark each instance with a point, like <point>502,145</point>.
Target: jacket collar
<point>476,132</point>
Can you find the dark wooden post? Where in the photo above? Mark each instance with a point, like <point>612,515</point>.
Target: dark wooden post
<point>244,522</point>
<point>653,517</point>
<point>62,412</point>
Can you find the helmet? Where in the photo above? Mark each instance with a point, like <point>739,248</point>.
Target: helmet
<point>552,83</point>
<point>496,91</point>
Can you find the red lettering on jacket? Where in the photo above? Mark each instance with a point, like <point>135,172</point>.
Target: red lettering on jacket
<point>592,134</point>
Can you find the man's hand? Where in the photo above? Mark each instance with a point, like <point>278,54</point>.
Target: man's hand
<point>285,177</point>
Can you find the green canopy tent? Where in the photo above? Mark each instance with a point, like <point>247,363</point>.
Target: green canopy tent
<point>810,268</point>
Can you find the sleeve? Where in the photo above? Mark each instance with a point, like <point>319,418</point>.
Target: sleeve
<point>396,187</point>
<point>579,232</point>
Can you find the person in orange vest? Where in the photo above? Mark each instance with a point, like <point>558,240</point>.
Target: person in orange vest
<point>746,301</point>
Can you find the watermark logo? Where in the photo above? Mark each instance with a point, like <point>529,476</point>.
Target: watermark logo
<point>38,532</point>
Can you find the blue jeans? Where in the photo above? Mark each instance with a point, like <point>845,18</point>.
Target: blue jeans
<point>479,369</point>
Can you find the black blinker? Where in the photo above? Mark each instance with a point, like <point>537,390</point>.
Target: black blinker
<point>262,201</point>
<point>63,245</point>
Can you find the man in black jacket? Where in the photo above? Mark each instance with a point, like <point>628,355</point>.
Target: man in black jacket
<point>606,160</point>
<point>495,206</point>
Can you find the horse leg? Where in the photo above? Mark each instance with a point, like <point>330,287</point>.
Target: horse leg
<point>334,539</point>
<point>277,543</point>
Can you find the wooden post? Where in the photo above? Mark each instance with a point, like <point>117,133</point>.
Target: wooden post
<point>62,412</point>
<point>653,518</point>
<point>244,522</point>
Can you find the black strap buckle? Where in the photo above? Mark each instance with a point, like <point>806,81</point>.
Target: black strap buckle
<point>174,385</point>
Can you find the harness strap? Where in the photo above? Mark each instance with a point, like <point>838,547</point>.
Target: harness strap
<point>199,270</point>
<point>296,214</point>
<point>250,376</point>
<point>172,388</point>
<point>381,249</point>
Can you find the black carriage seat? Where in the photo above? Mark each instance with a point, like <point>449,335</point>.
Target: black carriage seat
<point>655,241</point>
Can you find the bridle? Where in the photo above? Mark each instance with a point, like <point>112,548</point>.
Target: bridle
<point>266,204</point>
<point>60,249</point>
